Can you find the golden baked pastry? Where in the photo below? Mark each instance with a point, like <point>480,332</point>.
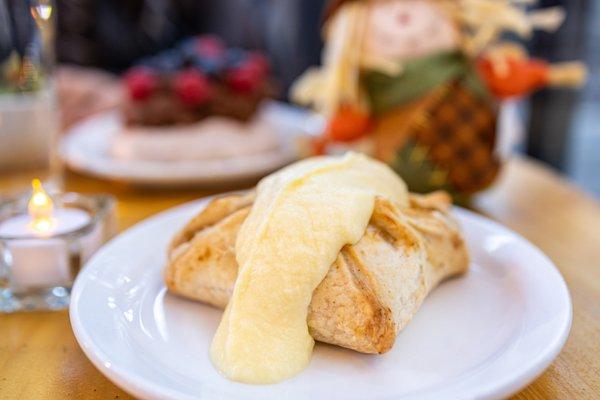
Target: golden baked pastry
<point>371,291</point>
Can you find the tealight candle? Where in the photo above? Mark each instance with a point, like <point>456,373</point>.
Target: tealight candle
<point>44,246</point>
<point>38,260</point>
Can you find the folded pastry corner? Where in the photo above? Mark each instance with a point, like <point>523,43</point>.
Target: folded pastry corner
<point>372,290</point>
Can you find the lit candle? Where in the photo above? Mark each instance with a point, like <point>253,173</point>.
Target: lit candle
<point>37,257</point>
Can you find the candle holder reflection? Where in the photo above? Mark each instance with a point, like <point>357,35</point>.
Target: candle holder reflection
<point>44,241</point>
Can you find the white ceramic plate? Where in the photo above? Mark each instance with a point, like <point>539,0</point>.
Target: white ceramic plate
<point>85,148</point>
<point>481,336</point>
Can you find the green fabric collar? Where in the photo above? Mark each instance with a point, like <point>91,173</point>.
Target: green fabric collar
<point>418,77</point>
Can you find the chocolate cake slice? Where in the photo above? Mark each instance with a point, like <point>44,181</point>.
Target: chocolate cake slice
<point>198,78</point>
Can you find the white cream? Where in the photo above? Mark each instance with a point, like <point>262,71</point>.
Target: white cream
<point>214,138</point>
<point>302,217</point>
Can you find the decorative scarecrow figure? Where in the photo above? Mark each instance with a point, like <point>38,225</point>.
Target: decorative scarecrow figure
<point>417,83</point>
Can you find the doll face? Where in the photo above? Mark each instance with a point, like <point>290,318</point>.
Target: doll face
<point>407,29</point>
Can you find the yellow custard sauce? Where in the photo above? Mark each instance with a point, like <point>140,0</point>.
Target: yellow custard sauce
<point>302,217</point>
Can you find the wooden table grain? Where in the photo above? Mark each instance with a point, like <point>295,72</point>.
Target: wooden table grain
<point>40,359</point>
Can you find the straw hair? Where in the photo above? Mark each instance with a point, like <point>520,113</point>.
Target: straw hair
<point>337,81</point>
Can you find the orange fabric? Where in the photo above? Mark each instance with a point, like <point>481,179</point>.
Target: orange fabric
<point>348,124</point>
<point>522,77</point>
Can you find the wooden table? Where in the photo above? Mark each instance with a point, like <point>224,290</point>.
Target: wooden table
<point>40,359</point>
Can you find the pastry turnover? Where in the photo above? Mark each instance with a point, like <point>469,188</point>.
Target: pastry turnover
<point>371,291</point>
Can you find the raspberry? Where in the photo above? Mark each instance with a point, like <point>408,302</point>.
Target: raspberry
<point>210,46</point>
<point>249,74</point>
<point>244,79</point>
<point>140,82</point>
<point>192,87</point>
<point>258,61</point>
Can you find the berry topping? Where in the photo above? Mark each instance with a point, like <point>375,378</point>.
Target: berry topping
<point>192,87</point>
<point>140,82</point>
<point>168,61</point>
<point>235,57</point>
<point>208,66</point>
<point>259,61</point>
<point>245,78</point>
<point>210,46</point>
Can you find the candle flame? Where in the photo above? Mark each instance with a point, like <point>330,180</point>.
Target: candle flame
<point>40,207</point>
<point>42,11</point>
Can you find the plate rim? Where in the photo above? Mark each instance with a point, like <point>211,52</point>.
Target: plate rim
<point>139,386</point>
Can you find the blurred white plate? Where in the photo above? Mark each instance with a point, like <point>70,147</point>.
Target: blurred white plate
<point>481,336</point>
<point>85,148</point>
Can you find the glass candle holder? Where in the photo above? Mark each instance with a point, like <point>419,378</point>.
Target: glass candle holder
<point>29,123</point>
<point>39,262</point>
